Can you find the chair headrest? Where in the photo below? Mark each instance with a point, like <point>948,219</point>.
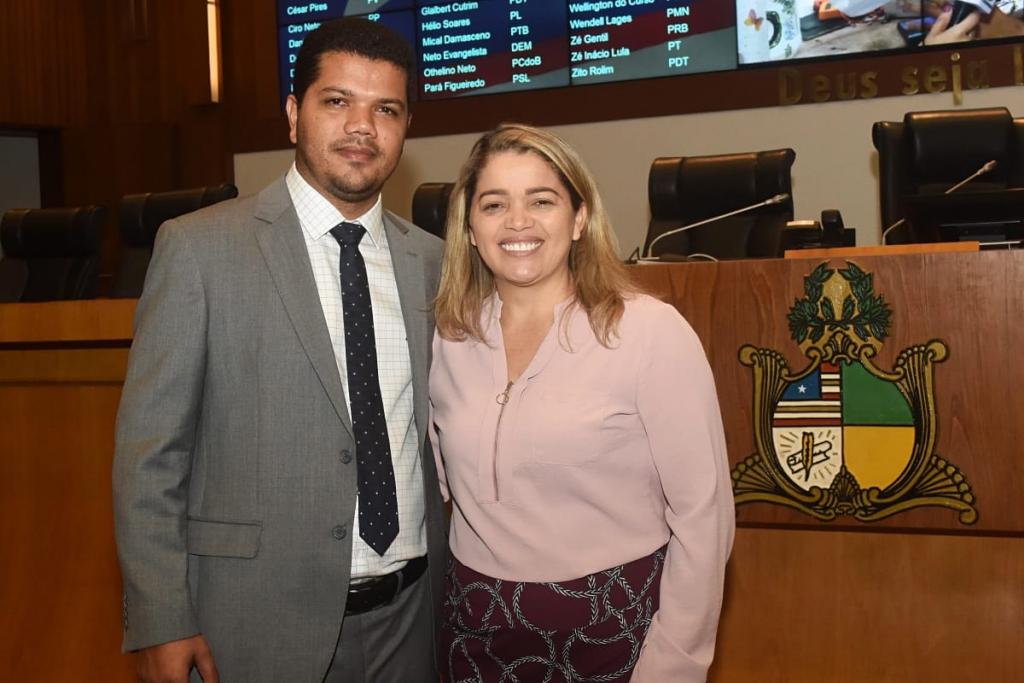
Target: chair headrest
<point>717,184</point>
<point>663,188</point>
<point>52,233</point>
<point>430,206</point>
<point>947,146</point>
<point>143,214</point>
<point>710,185</point>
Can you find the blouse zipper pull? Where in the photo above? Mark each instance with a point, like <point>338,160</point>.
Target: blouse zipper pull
<point>502,398</point>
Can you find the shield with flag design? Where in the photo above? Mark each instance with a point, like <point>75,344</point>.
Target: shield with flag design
<point>840,414</point>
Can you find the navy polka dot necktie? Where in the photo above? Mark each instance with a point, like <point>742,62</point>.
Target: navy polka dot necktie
<point>378,501</point>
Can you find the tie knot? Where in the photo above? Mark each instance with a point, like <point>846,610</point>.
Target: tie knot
<point>348,234</point>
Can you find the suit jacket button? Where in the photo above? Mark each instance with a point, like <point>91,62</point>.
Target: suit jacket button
<point>339,532</point>
<point>346,456</point>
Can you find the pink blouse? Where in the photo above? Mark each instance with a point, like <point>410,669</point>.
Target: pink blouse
<point>593,458</point>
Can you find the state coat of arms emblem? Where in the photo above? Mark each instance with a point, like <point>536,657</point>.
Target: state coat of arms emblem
<point>842,436</point>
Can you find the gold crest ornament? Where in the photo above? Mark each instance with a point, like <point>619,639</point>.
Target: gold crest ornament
<point>842,436</point>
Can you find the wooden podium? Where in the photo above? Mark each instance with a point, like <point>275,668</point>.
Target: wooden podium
<point>918,595</point>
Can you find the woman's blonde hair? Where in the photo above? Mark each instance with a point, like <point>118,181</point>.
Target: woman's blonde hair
<point>599,278</point>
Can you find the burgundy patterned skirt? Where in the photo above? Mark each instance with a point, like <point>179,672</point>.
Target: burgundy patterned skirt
<point>584,630</point>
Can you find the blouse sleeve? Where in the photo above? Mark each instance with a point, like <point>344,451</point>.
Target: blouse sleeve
<point>679,409</point>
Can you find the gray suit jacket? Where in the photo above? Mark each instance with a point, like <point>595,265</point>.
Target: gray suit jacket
<point>232,503</point>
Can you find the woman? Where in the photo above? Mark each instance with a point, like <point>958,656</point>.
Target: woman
<point>578,434</point>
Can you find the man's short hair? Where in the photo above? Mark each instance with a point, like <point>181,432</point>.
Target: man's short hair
<point>357,36</point>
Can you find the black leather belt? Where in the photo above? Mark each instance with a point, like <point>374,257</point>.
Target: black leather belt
<point>381,590</point>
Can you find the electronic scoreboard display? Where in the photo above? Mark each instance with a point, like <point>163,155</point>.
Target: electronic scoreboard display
<point>612,40</point>
<point>477,47</point>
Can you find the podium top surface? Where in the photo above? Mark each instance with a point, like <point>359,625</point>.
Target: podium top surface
<point>87,322</point>
<point>885,250</point>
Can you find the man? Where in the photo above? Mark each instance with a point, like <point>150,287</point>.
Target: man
<point>274,505</point>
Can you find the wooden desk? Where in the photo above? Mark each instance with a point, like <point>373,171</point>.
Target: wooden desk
<point>61,369</point>
<point>918,596</point>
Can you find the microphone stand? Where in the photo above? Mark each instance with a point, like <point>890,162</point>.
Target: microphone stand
<point>777,199</point>
<point>985,168</point>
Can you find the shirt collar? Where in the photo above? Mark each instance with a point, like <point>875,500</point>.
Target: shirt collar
<point>317,215</point>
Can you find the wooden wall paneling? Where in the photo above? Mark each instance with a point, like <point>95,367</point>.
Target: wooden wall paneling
<point>51,171</point>
<point>200,142</point>
<point>145,156</point>
<point>256,120</point>
<point>142,78</point>
<point>100,53</point>
<point>146,61</point>
<point>43,44</point>
<point>203,157</point>
<point>186,46</point>
<point>104,163</point>
<point>974,302</point>
<point>99,72</point>
<point>250,58</point>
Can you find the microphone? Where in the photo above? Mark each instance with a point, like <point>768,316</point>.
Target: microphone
<point>985,168</point>
<point>776,199</point>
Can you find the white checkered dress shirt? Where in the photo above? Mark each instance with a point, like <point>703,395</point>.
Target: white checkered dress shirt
<point>317,216</point>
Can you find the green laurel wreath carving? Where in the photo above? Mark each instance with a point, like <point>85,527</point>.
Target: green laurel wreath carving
<point>865,313</point>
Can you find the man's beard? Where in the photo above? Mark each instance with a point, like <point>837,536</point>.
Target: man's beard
<point>354,186</point>
<point>353,192</point>
<point>360,189</point>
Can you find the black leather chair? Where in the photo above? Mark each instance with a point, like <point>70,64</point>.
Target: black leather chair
<point>50,254</point>
<point>430,206</point>
<point>929,152</point>
<point>141,217</point>
<point>686,190</point>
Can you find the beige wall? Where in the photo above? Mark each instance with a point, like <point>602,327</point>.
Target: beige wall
<point>836,164</point>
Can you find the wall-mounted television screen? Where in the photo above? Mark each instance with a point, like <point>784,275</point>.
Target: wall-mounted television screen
<point>778,30</point>
<point>478,47</point>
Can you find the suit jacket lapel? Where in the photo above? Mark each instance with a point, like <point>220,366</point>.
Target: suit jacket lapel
<point>412,293</point>
<point>280,239</point>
